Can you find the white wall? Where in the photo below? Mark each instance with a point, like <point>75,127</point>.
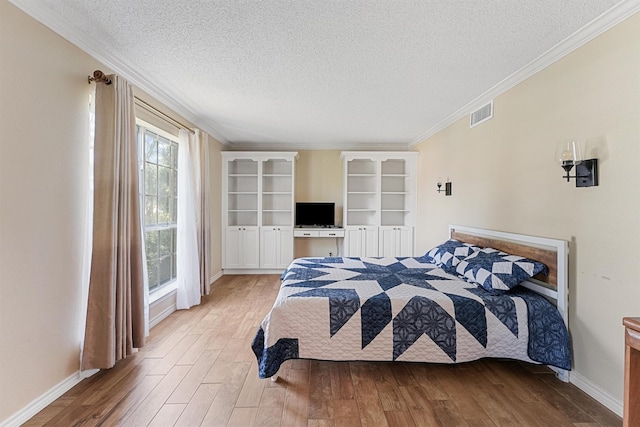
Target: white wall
<point>505,178</point>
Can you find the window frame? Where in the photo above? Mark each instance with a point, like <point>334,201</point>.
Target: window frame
<point>163,288</point>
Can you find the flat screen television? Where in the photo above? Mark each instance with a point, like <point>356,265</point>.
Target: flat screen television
<point>315,214</point>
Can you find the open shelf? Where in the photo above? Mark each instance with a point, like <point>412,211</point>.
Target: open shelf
<point>277,167</point>
<point>380,189</point>
<point>361,167</point>
<point>242,167</point>
<point>276,201</point>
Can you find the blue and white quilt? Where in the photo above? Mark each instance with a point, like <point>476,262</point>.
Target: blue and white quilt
<point>403,309</point>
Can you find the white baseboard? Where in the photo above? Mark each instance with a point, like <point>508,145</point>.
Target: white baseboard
<point>597,393</point>
<point>162,315</point>
<point>167,312</point>
<point>45,400</point>
<point>216,276</point>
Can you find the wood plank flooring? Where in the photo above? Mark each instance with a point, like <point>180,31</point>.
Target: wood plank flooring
<point>198,369</point>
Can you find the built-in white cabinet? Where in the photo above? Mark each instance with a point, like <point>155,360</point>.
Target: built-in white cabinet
<point>395,241</point>
<point>361,241</point>
<point>380,197</point>
<point>242,250</point>
<point>257,209</point>
<point>276,247</point>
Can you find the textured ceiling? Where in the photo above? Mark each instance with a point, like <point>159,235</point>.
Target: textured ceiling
<point>324,73</point>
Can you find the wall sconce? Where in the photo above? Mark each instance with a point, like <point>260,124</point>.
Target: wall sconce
<point>569,155</point>
<point>447,187</point>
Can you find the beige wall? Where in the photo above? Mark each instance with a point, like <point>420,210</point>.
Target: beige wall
<point>44,170</point>
<point>44,99</point>
<point>505,178</point>
<point>319,179</point>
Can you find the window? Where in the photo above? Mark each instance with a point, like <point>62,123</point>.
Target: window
<point>160,201</point>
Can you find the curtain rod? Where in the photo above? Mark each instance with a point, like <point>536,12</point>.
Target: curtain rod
<point>153,110</point>
<point>100,77</point>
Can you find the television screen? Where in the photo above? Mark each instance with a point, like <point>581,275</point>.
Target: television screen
<point>315,214</point>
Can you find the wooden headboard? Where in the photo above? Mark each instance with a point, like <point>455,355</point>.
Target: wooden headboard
<point>553,253</point>
<point>545,256</point>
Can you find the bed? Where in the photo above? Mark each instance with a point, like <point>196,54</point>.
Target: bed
<point>444,307</point>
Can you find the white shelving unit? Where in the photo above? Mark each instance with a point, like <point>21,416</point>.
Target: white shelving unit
<point>258,206</point>
<point>380,203</point>
<point>242,192</point>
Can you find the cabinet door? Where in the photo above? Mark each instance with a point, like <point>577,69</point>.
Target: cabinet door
<point>233,249</point>
<point>388,242</point>
<point>361,242</point>
<point>404,242</point>
<point>396,241</point>
<point>250,247</point>
<point>353,241</point>
<point>268,247</point>
<point>276,247</point>
<point>285,250</point>
<point>370,241</point>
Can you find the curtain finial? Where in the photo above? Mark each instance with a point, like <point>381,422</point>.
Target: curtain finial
<point>99,76</point>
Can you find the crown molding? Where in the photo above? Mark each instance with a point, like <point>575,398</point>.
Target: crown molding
<point>588,32</point>
<point>70,32</point>
<point>355,146</point>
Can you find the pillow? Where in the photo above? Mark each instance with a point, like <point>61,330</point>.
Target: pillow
<point>449,254</point>
<point>498,271</point>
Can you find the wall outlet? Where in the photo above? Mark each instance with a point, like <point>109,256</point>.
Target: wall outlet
<point>330,253</point>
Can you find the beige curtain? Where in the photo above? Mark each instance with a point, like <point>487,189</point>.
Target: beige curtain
<point>115,309</point>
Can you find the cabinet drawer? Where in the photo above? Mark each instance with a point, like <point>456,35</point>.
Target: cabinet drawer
<point>305,233</point>
<point>331,233</point>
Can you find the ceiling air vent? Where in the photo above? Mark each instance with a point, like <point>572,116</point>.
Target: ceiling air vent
<point>481,115</point>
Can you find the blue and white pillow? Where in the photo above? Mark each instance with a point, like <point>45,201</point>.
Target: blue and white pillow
<point>449,254</point>
<point>498,271</point>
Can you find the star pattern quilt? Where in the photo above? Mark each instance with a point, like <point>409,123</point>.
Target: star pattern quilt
<point>387,309</point>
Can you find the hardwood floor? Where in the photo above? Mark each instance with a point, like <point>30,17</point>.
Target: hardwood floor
<point>198,369</point>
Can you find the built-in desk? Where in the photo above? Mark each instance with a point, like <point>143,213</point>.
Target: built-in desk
<point>320,245</point>
<point>318,232</point>
<point>632,372</point>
